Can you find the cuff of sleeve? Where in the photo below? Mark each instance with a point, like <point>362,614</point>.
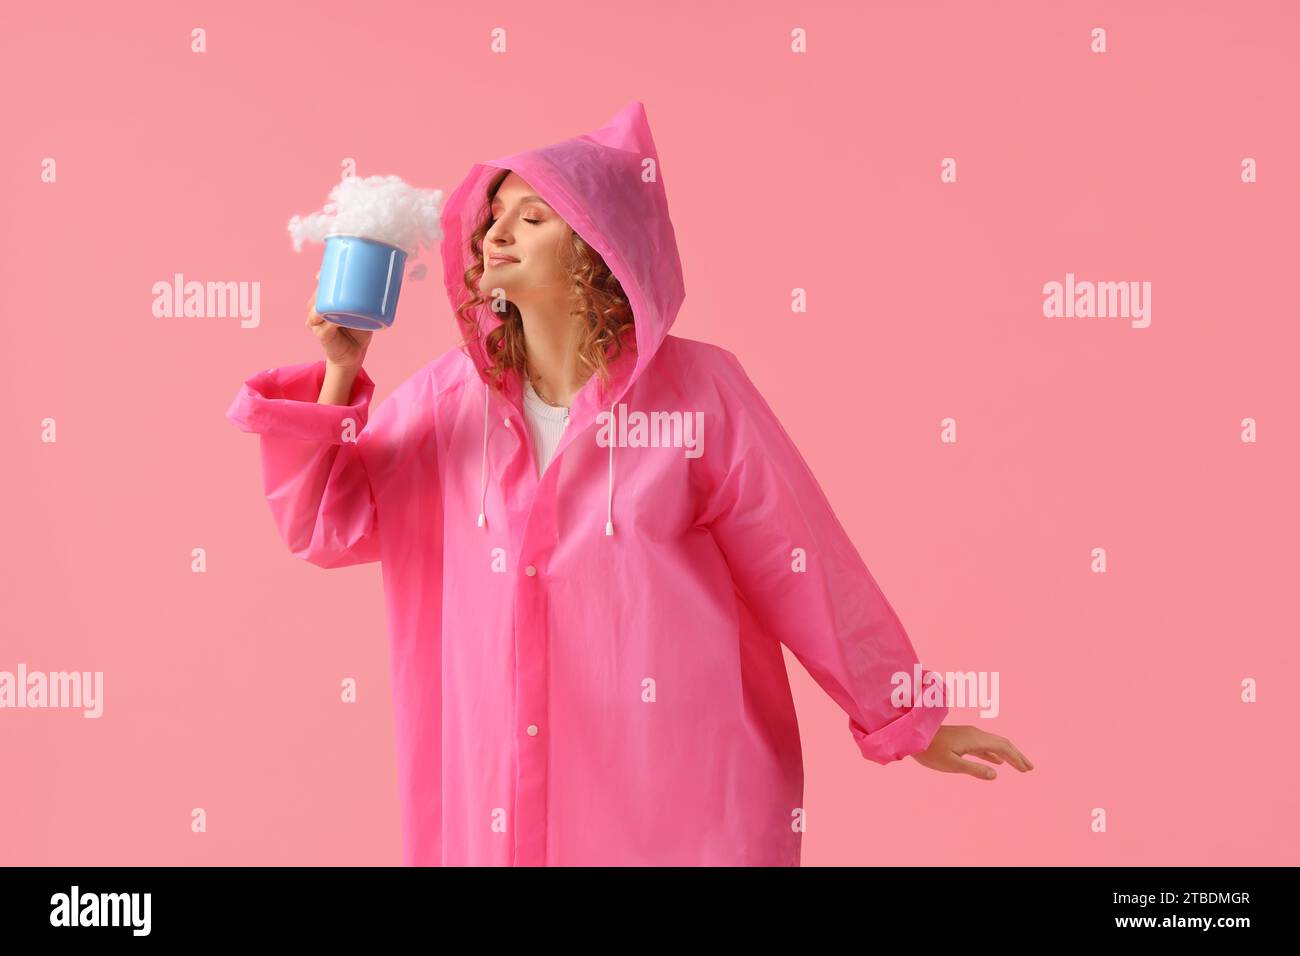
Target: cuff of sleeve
<point>909,734</point>
<point>282,403</point>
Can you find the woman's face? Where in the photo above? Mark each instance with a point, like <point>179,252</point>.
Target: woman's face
<point>526,249</point>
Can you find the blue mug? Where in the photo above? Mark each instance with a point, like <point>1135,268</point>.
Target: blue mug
<point>359,283</point>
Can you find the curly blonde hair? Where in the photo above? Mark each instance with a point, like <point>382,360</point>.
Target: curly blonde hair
<point>602,302</point>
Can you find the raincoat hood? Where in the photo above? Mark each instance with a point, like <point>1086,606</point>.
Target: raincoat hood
<point>608,186</point>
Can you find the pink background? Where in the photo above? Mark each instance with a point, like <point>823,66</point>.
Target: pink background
<point>817,171</point>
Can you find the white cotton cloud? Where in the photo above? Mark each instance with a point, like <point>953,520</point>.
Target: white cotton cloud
<point>377,207</point>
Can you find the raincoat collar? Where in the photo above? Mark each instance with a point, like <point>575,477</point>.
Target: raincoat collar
<point>608,186</point>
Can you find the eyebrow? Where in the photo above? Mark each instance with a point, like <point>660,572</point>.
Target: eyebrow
<point>530,198</point>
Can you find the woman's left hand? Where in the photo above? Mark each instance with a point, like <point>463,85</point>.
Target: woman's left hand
<point>952,741</point>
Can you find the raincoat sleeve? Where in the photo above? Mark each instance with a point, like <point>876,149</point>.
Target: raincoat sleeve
<point>799,573</point>
<point>313,473</point>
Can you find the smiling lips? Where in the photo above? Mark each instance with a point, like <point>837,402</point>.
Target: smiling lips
<point>497,260</point>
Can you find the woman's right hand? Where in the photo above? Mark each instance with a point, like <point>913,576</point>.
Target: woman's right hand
<point>344,347</point>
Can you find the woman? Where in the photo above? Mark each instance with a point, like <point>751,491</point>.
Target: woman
<point>586,614</point>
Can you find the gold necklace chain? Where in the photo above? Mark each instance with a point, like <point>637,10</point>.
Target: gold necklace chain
<point>534,379</point>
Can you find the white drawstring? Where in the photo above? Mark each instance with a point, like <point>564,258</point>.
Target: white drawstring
<point>482,486</point>
<point>609,506</point>
<point>482,480</point>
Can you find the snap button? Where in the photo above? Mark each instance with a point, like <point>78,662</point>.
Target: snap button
<point>530,570</point>
<point>532,730</point>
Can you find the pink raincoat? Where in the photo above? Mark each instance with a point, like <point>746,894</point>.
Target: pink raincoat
<point>587,664</point>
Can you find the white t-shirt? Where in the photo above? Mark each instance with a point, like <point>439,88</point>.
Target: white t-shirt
<point>546,423</point>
